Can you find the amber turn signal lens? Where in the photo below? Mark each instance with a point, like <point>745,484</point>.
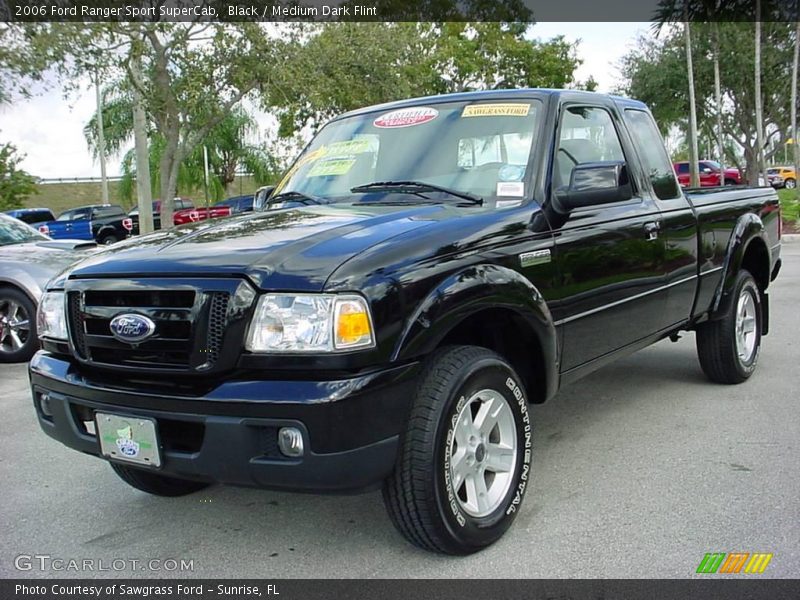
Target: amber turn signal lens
<point>353,327</point>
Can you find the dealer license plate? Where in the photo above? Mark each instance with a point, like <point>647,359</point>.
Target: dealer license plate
<point>128,439</point>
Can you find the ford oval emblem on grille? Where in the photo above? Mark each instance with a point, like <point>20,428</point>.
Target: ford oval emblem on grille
<point>132,328</point>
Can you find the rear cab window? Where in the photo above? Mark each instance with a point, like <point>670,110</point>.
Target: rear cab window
<point>653,155</point>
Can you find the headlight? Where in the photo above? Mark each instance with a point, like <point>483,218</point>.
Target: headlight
<point>310,323</point>
<point>51,319</point>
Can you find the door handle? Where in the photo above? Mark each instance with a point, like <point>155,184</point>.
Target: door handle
<point>651,230</point>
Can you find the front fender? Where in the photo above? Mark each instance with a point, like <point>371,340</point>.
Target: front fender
<point>466,293</point>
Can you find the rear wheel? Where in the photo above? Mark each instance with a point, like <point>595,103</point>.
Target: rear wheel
<point>730,182</point>
<point>156,484</point>
<point>108,238</point>
<point>464,461</point>
<point>728,348</point>
<point>791,183</point>
<point>17,326</point>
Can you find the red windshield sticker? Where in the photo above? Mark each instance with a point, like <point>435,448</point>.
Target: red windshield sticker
<point>406,117</point>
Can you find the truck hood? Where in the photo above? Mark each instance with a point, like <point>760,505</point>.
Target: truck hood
<point>293,249</point>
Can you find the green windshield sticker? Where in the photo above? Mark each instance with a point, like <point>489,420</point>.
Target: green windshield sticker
<point>349,147</point>
<point>333,166</point>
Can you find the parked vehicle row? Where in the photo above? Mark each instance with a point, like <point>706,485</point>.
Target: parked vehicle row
<point>709,172</point>
<point>103,223</point>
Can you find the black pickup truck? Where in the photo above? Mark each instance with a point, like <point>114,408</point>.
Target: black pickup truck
<point>437,265</point>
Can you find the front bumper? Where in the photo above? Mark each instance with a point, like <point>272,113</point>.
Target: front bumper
<point>228,434</point>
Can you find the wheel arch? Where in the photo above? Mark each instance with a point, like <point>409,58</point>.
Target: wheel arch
<point>747,249</point>
<point>493,307</point>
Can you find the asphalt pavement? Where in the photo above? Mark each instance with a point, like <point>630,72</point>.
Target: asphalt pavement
<point>639,470</point>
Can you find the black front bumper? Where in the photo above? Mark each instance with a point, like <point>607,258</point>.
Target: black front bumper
<point>228,434</point>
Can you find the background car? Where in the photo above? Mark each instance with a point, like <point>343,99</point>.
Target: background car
<point>193,215</point>
<point>237,204</point>
<point>28,260</point>
<point>787,174</point>
<point>709,174</point>
<point>179,204</point>
<point>32,216</point>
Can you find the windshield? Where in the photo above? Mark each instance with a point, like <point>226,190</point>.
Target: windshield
<point>13,231</point>
<point>478,148</point>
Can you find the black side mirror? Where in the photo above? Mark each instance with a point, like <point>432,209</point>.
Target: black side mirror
<point>596,183</point>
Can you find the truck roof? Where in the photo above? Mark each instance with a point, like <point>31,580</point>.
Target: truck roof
<point>495,94</point>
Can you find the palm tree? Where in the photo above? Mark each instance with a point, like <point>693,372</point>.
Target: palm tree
<point>795,140</point>
<point>762,166</point>
<point>718,103</point>
<point>694,160</point>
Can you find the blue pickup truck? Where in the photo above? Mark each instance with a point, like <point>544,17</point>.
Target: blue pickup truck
<point>103,223</point>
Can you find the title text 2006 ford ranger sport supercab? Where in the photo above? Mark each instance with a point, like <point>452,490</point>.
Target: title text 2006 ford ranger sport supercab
<point>424,271</point>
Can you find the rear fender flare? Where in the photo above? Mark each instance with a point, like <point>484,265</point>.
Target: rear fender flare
<point>748,228</point>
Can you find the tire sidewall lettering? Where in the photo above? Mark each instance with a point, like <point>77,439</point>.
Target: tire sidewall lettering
<point>454,512</point>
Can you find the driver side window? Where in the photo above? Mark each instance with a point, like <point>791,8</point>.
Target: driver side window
<point>587,135</point>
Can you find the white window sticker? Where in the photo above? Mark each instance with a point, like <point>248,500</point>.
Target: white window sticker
<point>406,117</point>
<point>511,188</point>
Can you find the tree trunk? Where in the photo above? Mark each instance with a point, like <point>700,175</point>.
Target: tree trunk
<point>718,102</point>
<point>796,142</point>
<point>762,168</point>
<point>101,140</point>
<point>144,194</point>
<point>168,167</point>
<point>694,166</point>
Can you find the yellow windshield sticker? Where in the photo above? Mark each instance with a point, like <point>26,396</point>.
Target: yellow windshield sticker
<point>496,110</point>
<point>333,166</point>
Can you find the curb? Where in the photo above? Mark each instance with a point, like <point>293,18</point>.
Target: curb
<point>790,237</point>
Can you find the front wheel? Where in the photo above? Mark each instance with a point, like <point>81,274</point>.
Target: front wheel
<point>464,460</point>
<point>728,347</point>
<point>791,183</point>
<point>18,340</point>
<point>155,483</point>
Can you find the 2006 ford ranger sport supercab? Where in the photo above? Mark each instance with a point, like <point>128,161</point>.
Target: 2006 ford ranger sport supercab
<point>423,272</point>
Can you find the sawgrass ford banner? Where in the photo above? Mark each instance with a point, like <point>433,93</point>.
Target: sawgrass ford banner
<point>483,589</point>
<point>370,10</point>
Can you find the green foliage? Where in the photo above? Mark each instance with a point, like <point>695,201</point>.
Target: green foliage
<point>654,71</point>
<point>227,153</point>
<point>344,66</point>
<point>15,184</point>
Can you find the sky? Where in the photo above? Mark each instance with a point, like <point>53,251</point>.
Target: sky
<point>48,128</point>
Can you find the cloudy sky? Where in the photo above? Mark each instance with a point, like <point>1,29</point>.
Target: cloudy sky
<point>49,128</point>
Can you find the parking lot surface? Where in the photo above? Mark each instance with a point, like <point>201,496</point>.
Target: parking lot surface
<point>639,470</point>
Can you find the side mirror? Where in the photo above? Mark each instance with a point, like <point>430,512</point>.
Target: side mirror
<point>596,183</point>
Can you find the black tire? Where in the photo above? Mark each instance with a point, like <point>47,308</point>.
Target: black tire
<point>158,485</point>
<point>108,239</point>
<point>717,348</point>
<point>790,183</point>
<point>730,182</point>
<point>18,339</point>
<point>420,495</point>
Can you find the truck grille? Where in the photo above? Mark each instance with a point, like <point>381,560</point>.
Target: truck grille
<point>191,326</point>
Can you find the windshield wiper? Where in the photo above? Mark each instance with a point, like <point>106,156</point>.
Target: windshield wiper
<point>293,196</point>
<point>412,187</point>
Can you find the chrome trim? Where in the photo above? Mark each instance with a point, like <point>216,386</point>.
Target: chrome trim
<point>623,301</point>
